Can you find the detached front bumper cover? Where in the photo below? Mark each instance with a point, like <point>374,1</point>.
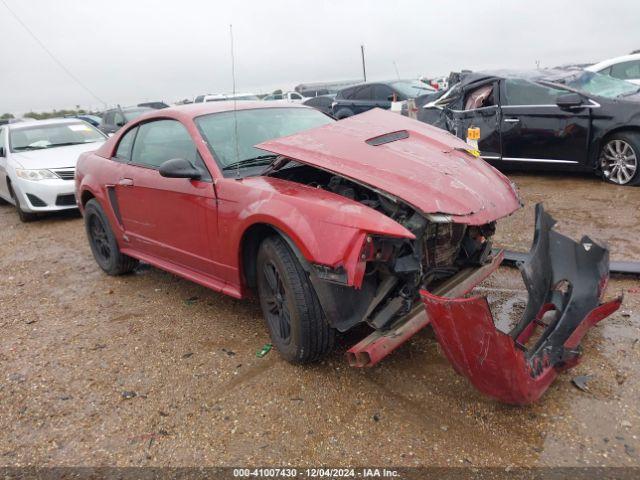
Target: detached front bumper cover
<point>565,281</point>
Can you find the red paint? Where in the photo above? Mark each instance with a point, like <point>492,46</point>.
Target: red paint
<point>195,229</point>
<point>429,170</point>
<point>488,357</point>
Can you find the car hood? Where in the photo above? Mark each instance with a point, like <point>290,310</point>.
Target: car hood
<point>430,169</point>
<point>57,157</point>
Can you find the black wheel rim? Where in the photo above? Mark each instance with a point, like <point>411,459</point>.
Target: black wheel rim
<point>99,238</point>
<point>275,298</point>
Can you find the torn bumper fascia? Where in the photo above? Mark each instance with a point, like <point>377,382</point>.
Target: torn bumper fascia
<point>565,281</point>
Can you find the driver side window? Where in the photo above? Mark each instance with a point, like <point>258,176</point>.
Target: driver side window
<point>480,97</point>
<point>524,92</point>
<point>162,140</point>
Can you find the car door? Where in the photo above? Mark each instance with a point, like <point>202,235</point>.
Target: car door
<point>480,110</point>
<point>384,95</point>
<point>363,99</point>
<point>4,189</point>
<point>535,130</point>
<point>167,218</point>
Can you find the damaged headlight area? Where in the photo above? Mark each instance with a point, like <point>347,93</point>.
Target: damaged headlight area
<point>395,269</point>
<point>400,268</point>
<point>383,282</point>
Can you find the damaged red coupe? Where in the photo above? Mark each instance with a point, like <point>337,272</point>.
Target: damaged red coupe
<point>376,219</point>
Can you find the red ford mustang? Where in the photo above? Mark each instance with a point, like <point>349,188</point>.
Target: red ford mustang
<point>332,223</point>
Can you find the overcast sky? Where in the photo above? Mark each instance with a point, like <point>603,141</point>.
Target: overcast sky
<point>129,51</point>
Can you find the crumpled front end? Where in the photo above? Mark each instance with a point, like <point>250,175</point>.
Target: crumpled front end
<point>565,281</point>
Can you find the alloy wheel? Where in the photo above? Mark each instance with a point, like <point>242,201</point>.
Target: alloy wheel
<point>99,237</point>
<point>618,162</point>
<point>278,314</point>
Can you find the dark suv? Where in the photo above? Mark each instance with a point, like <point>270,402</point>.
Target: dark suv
<point>360,98</point>
<point>114,119</point>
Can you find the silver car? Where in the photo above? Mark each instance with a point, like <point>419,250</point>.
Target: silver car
<point>38,161</point>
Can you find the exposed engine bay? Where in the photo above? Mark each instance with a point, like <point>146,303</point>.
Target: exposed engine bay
<point>396,269</point>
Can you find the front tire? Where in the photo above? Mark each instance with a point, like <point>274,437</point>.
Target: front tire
<point>102,240</point>
<point>290,305</point>
<point>619,159</point>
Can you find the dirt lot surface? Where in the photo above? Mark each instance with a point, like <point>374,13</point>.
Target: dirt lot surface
<point>150,369</point>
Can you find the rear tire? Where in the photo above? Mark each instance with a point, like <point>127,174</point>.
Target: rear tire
<point>619,159</point>
<point>25,217</point>
<point>103,242</point>
<point>290,305</point>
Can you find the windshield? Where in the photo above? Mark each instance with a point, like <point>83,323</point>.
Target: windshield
<point>53,135</point>
<point>253,127</point>
<point>602,85</point>
<point>411,89</point>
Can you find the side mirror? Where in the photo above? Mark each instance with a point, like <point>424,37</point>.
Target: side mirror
<point>179,168</point>
<point>120,123</point>
<point>569,100</point>
<point>2,152</point>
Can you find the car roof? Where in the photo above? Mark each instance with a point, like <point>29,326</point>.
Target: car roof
<point>193,110</point>
<point>612,61</point>
<point>129,109</point>
<point>50,121</point>
<point>546,75</point>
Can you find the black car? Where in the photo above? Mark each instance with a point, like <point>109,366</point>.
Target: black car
<point>154,105</point>
<point>116,118</point>
<point>360,98</point>
<point>546,119</point>
<point>321,102</point>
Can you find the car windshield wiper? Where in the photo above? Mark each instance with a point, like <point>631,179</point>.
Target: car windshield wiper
<point>252,162</point>
<point>29,147</point>
<point>65,144</point>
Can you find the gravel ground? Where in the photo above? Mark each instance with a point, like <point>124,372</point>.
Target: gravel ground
<point>150,369</point>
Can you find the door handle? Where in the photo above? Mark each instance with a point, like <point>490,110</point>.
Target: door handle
<point>125,182</point>
<point>511,120</point>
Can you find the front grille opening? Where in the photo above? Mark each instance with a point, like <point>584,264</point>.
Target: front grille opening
<point>65,174</point>
<point>66,200</point>
<point>36,201</point>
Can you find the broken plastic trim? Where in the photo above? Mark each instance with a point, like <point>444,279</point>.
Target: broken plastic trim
<point>562,276</point>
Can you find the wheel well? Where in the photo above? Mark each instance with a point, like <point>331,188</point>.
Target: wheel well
<point>623,129</point>
<point>85,197</point>
<point>251,240</point>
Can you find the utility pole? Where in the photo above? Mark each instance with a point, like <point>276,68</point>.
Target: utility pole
<point>364,69</point>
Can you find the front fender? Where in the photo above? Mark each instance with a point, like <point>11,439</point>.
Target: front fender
<point>326,228</point>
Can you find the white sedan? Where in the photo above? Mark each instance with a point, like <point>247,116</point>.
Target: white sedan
<point>625,68</point>
<point>38,163</point>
